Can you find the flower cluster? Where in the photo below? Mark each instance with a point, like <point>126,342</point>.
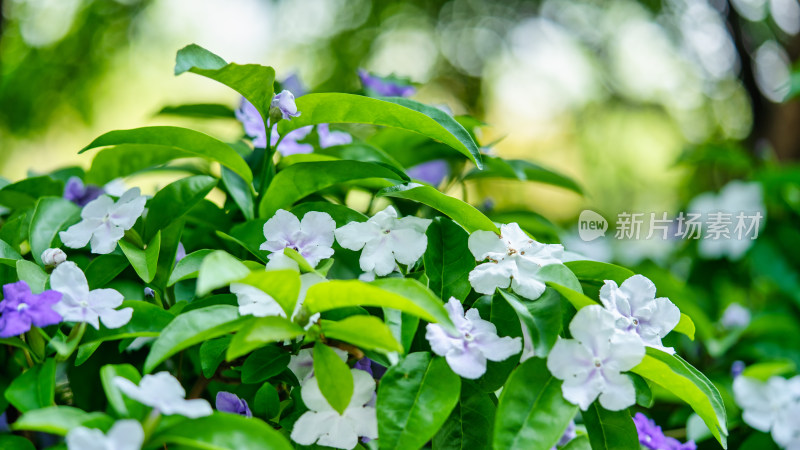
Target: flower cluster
<point>771,406</point>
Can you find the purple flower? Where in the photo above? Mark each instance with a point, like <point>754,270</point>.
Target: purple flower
<point>371,367</point>
<point>252,122</point>
<point>80,194</point>
<point>20,309</point>
<point>431,172</point>
<point>292,83</point>
<point>290,145</point>
<point>284,102</point>
<point>569,434</point>
<point>228,402</point>
<point>737,368</point>
<point>651,436</point>
<point>328,138</point>
<point>384,87</point>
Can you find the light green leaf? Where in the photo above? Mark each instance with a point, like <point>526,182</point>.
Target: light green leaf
<point>260,331</point>
<point>174,200</point>
<point>32,274</point>
<point>765,370</point>
<point>365,332</point>
<point>125,160</point>
<point>189,141</point>
<point>596,272</point>
<point>462,213</point>
<point>531,413</point>
<point>334,377</point>
<point>577,299</point>
<point>281,285</point>
<point>414,399</point>
<point>263,364</point>
<point>144,262</point>
<point>8,256</point>
<point>188,267</point>
<point>219,269</point>
<point>192,328</point>
<point>51,215</point>
<point>122,405</point>
<point>60,419</point>
<point>220,431</point>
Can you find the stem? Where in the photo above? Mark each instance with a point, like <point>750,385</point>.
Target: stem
<point>266,169</point>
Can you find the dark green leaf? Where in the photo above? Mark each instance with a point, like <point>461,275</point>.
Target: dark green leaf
<point>34,388</point>
<point>471,424</point>
<point>610,430</point>
<point>220,431</point>
<point>175,200</point>
<point>24,193</point>
<point>212,353</point>
<point>448,260</point>
<point>104,268</point>
<point>11,442</point>
<point>462,213</point>
<point>127,159</point>
<point>263,364</point>
<point>267,403</point>
<point>542,317</point>
<point>201,110</point>
<point>144,261</point>
<point>240,191</point>
<point>518,169</point>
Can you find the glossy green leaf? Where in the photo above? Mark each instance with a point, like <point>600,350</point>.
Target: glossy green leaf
<point>121,404</point>
<point>147,321</point>
<point>60,420</point>
<point>598,272</point>
<point>402,325</point>
<point>389,112</point>
<point>189,141</point>
<point>577,299</point>
<point>687,383</point>
<point>260,331</point>
<point>267,402</point>
<point>188,267</point>
<point>302,179</point>
<point>34,388</point>
<point>518,169</point>
<point>217,270</point>
<point>340,214</point>
<point>25,193</point>
<point>610,430</point>
<point>199,110</point>
<point>448,260</point>
<point>253,81</point>
<point>334,377</point>
<point>8,256</point>
<point>462,213</point>
<point>144,261</point>
<point>542,317</point>
<point>471,424</point>
<point>281,285</point>
<point>51,215</point>
<point>212,354</point>
<point>263,364</point>
<point>365,332</point>
<point>531,413</point>
<point>220,431</point>
<point>240,191</point>
<point>127,159</point>
<point>175,200</point>
<point>192,328</point>
<point>406,295</point>
<point>104,268</point>
<point>414,399</point>
<point>578,443</point>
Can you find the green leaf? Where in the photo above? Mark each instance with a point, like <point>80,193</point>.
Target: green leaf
<point>390,112</point>
<point>531,413</point>
<point>51,215</point>
<point>24,193</point>
<point>406,295</point>
<point>11,442</point>
<point>127,159</point>
<point>282,285</point>
<point>448,260</point>
<point>188,267</point>
<point>122,405</point>
<point>220,431</point>
<point>192,328</point>
<point>414,399</point>
<point>176,199</point>
<point>403,326</point>
<point>462,213</point>
<point>32,274</point>
<point>240,191</point>
<point>598,272</point>
<point>200,110</point>
<point>302,179</point>
<point>365,332</point>
<point>610,430</point>
<point>212,353</point>
<point>518,169</point>
<point>263,364</point>
<point>471,424</point>
<point>687,383</point>
<point>144,262</point>
<point>104,268</point>
<point>577,299</point>
<point>8,256</point>
<point>765,370</point>
<point>267,403</point>
<point>189,141</point>
<point>685,326</point>
<point>147,321</point>
<point>219,269</point>
<point>260,331</point>
<point>578,443</point>
<point>340,214</point>
<point>34,388</point>
<point>542,317</point>
<point>334,377</point>
<point>253,81</point>
<point>360,151</point>
<point>60,420</point>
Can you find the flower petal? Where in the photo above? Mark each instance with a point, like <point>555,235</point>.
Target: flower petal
<point>78,235</point>
<point>487,277</point>
<point>254,301</point>
<point>311,426</point>
<point>407,245</point>
<point>105,237</point>
<point>69,280</point>
<point>126,435</point>
<point>113,318</point>
<point>568,359</point>
<point>377,256</point>
<point>496,348</point>
<point>581,392</point>
<point>279,229</point>
<point>482,244</point>
<point>618,392</point>
<point>363,388</point>
<point>468,363</point>
<point>82,438</point>
<point>355,235</point>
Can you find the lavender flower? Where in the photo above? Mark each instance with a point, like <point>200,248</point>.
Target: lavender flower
<point>475,341</point>
<point>371,367</point>
<point>290,144</point>
<point>384,87</point>
<point>328,138</point>
<point>80,194</point>
<point>284,105</point>
<point>252,122</point>
<point>20,309</point>
<point>105,221</point>
<point>737,368</point>
<point>163,392</point>
<point>312,237</point>
<point>431,172</point>
<point>229,402</point>
<point>651,436</point>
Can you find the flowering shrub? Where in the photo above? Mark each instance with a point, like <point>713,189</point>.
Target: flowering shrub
<point>406,320</point>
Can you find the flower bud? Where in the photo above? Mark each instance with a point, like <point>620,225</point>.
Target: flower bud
<point>53,257</point>
<point>283,107</point>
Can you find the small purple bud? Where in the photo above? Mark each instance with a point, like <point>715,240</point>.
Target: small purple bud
<point>284,106</point>
<point>229,402</point>
<point>737,368</point>
<point>651,436</point>
<point>149,292</point>
<point>77,193</point>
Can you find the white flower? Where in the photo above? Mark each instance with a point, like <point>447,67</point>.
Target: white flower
<point>734,198</point>
<point>79,304</point>
<point>312,237</point>
<point>637,310</point>
<point>476,341</point>
<point>325,426</point>
<point>164,392</point>
<point>302,364</point>
<point>592,363</point>
<point>124,435</point>
<point>254,301</point>
<point>104,222</point>
<point>735,316</point>
<point>53,257</point>
<point>770,406</point>
<point>385,238</point>
<point>514,260</point>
